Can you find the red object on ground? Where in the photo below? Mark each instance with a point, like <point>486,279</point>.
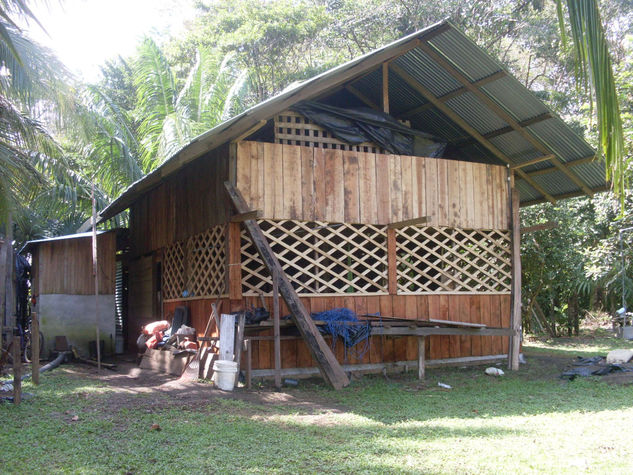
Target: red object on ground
<point>189,345</point>
<point>159,326</point>
<point>154,340</point>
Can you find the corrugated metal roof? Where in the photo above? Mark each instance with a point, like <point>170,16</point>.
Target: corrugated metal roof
<point>427,76</point>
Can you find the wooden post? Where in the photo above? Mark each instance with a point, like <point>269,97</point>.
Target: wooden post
<point>249,364</point>
<point>320,350</point>
<point>421,357</point>
<point>276,331</point>
<point>17,370</point>
<point>35,348</point>
<point>515,315</point>
<point>392,261</point>
<point>385,88</point>
<point>10,302</point>
<point>234,274</point>
<point>239,341</point>
<point>95,273</point>
<point>227,337</point>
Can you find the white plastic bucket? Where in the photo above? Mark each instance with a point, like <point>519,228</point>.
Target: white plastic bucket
<point>224,374</point>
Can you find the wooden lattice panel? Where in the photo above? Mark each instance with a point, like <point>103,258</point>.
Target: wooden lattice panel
<point>434,259</point>
<point>197,265</point>
<point>206,256</point>
<point>173,271</point>
<point>319,257</point>
<point>292,128</point>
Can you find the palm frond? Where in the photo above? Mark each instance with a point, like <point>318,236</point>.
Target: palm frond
<point>595,73</point>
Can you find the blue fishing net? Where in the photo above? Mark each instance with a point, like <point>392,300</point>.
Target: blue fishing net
<point>343,324</point>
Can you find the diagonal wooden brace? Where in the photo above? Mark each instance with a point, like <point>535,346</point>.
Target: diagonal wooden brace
<point>321,352</point>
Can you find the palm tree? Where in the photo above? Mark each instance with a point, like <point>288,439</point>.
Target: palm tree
<point>170,117</point>
<point>595,74</point>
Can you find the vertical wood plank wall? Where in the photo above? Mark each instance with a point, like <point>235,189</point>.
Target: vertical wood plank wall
<point>65,266</point>
<point>186,204</point>
<point>305,183</point>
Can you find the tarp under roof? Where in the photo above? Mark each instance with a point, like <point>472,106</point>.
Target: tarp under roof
<point>445,85</point>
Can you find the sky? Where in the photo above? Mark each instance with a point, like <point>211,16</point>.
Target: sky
<point>85,33</point>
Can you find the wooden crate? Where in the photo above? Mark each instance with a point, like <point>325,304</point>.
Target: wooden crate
<point>292,128</point>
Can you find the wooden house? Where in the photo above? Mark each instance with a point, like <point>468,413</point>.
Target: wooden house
<point>62,284</point>
<point>357,226</point>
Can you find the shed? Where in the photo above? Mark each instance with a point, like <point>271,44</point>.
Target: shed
<point>62,283</point>
<point>423,239</point>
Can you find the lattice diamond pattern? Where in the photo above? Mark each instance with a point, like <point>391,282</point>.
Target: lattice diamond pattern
<point>319,257</point>
<point>434,259</point>
<point>173,271</point>
<point>197,265</point>
<point>206,254</point>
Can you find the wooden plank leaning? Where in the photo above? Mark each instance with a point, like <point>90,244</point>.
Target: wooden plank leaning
<point>330,368</point>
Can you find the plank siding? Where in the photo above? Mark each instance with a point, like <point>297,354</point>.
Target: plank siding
<point>305,183</point>
<point>65,266</point>
<point>188,203</point>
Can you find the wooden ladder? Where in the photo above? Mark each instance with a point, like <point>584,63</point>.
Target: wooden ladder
<point>321,352</point>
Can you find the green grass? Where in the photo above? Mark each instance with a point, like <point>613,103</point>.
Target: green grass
<point>527,422</point>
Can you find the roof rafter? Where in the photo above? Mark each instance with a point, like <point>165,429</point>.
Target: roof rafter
<point>573,163</point>
<point>468,128</point>
<point>457,92</point>
<point>507,129</point>
<point>501,113</point>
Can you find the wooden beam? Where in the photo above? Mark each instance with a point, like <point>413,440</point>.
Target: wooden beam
<point>457,324</point>
<point>427,331</point>
<point>539,227</point>
<point>249,364</point>
<point>254,214</point>
<point>35,348</point>
<point>250,131</point>
<point>276,331</point>
<point>573,163</point>
<point>515,315</point>
<point>17,370</point>
<point>321,352</point>
<point>505,130</point>
<point>409,222</point>
<point>467,127</point>
<point>385,88</point>
<point>564,196</point>
<point>227,337</point>
<point>239,343</point>
<point>351,89</point>
<point>392,262</point>
<point>457,92</point>
<point>421,357</point>
<point>544,158</point>
<point>502,113</point>
<point>234,258</point>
